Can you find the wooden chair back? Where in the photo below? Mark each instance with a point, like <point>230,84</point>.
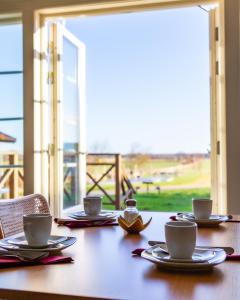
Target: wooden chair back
<point>12,211</point>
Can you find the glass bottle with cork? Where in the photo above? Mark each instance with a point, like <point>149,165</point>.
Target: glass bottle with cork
<point>131,212</point>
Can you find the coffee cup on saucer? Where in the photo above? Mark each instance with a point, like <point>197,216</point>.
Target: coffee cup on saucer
<point>92,205</point>
<point>202,208</point>
<point>181,239</point>
<point>37,229</point>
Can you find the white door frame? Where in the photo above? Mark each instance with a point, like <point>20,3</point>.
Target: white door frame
<point>220,186</point>
<point>218,111</point>
<point>56,151</point>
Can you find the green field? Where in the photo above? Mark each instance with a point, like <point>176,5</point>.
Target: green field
<point>195,174</point>
<point>187,178</point>
<point>177,200</point>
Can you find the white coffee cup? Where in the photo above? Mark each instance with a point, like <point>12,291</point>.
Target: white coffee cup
<point>92,205</point>
<point>202,208</point>
<point>181,239</point>
<point>37,229</point>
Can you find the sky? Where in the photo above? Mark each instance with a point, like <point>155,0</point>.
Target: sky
<point>11,95</point>
<point>147,81</point>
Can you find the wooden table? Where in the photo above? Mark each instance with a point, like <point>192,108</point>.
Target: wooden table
<point>104,268</point>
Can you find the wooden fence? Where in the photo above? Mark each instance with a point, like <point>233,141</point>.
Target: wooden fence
<point>112,162</point>
<point>11,181</point>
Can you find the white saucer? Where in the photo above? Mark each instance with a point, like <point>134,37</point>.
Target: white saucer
<point>49,248</point>
<point>199,255</point>
<point>22,242</point>
<point>214,220</point>
<point>104,215</point>
<point>218,258</point>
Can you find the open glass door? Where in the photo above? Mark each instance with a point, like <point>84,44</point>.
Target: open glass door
<point>67,151</point>
<point>67,159</point>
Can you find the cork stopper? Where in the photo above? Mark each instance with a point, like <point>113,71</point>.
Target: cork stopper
<point>131,202</point>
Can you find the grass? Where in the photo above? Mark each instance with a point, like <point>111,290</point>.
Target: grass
<point>192,174</point>
<point>177,200</point>
<point>189,180</point>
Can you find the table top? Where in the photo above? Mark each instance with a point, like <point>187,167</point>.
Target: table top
<point>104,268</point>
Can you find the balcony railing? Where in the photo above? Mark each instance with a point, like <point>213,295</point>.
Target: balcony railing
<point>11,177</point>
<point>103,169</point>
<point>100,167</point>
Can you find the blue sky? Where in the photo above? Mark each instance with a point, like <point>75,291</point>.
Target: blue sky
<point>147,81</point>
<point>11,95</point>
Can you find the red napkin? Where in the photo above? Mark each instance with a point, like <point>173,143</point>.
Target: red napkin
<point>83,224</point>
<point>233,257</point>
<point>138,251</point>
<point>231,219</point>
<point>229,257</point>
<point>6,262</point>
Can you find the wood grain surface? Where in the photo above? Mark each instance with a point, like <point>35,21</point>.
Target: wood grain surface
<point>104,268</point>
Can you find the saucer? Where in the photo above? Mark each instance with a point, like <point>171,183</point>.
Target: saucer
<point>218,258</point>
<point>199,255</point>
<point>22,242</point>
<point>67,242</point>
<point>104,215</point>
<point>214,220</point>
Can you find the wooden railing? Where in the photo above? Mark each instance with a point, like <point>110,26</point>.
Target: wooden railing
<point>99,167</point>
<point>12,177</point>
<point>116,165</point>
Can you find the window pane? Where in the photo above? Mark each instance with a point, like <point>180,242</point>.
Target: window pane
<point>13,129</point>
<point>11,48</point>
<point>70,124</point>
<point>70,93</point>
<point>11,96</point>
<point>11,106</point>
<point>11,153</point>
<point>148,98</point>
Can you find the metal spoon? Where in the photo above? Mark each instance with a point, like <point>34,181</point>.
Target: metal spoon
<point>25,256</point>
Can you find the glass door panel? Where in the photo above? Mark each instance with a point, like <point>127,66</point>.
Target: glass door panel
<point>70,124</point>
<point>68,115</point>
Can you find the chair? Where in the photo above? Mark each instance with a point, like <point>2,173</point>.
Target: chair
<point>12,211</point>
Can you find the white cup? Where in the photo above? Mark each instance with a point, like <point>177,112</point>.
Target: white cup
<point>92,205</point>
<point>37,228</point>
<point>202,208</point>
<point>181,239</point>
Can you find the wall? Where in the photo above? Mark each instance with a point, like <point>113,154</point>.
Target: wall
<point>232,74</point>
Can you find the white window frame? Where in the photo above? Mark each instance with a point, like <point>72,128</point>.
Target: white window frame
<point>214,135</point>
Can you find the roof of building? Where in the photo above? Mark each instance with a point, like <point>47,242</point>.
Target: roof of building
<point>6,138</point>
